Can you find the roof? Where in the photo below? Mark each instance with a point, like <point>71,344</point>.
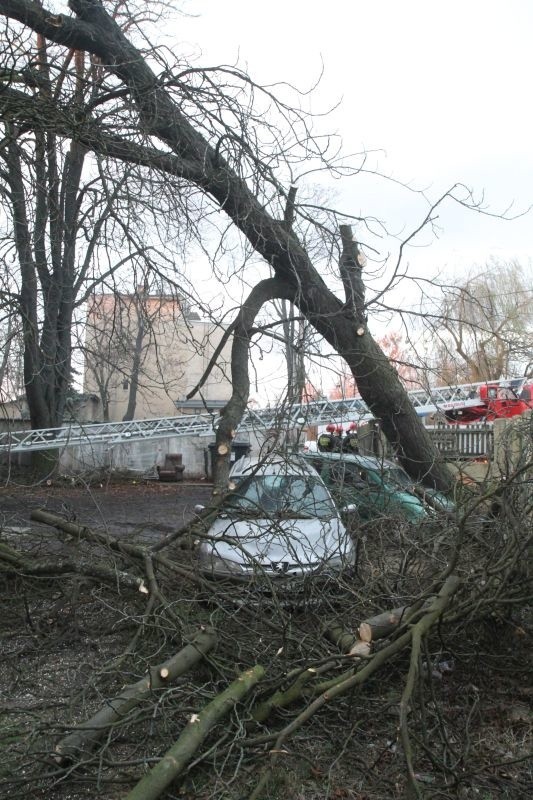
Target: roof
<point>291,464</point>
<point>367,462</point>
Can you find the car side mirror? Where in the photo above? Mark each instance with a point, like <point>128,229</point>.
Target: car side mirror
<point>198,509</point>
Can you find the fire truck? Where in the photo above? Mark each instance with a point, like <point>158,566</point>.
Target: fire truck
<point>497,400</point>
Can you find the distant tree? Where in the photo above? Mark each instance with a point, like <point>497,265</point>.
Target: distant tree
<point>73,220</point>
<point>483,326</point>
<point>114,347</point>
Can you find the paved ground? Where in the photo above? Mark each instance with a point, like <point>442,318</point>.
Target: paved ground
<point>146,509</point>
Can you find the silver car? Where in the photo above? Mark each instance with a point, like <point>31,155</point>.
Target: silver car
<point>279,523</point>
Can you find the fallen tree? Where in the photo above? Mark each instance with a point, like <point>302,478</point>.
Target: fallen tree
<point>198,159</point>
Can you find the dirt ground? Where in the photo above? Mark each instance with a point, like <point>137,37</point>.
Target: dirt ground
<point>69,643</point>
<point>144,509</point>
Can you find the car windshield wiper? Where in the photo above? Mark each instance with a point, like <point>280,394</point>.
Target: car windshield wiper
<point>243,511</point>
<point>292,514</point>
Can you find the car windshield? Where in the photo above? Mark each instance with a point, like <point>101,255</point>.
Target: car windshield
<point>397,477</point>
<point>360,476</point>
<point>290,495</point>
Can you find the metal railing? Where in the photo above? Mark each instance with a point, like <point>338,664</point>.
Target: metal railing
<point>317,412</point>
<point>469,441</point>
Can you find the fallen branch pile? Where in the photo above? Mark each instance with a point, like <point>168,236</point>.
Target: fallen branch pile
<point>196,658</point>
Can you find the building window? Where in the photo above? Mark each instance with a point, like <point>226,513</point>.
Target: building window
<point>125,384</point>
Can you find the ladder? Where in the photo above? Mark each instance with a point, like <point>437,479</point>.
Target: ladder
<point>316,412</point>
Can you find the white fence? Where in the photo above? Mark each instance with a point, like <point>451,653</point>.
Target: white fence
<point>469,441</point>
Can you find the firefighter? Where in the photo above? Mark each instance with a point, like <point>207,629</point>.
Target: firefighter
<point>326,441</point>
<point>350,443</point>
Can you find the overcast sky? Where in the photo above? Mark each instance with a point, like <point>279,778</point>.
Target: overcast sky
<point>441,89</point>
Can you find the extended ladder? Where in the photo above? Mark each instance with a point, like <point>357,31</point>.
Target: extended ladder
<point>317,412</point>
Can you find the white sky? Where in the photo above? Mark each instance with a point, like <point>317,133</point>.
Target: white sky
<point>440,89</point>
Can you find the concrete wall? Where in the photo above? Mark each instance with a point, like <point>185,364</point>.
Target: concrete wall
<point>139,456</point>
<point>144,456</point>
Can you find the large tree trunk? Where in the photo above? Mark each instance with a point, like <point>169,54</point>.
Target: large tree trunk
<point>202,164</point>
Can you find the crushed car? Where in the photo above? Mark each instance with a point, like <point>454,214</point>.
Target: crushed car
<point>277,527</point>
<point>377,487</point>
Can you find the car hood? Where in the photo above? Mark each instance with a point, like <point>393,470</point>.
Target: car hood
<point>409,503</point>
<point>295,544</point>
<point>439,501</point>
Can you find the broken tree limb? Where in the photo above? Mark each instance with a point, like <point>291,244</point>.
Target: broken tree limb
<point>14,563</point>
<point>340,636</point>
<point>418,631</point>
<point>200,523</point>
<point>175,760</point>
<point>382,625</point>
<point>117,545</point>
<point>346,682</point>
<point>87,734</point>
<point>345,641</point>
<point>360,649</point>
<point>10,556</point>
<point>83,532</point>
<point>283,698</point>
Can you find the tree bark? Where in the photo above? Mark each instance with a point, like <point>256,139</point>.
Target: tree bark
<point>87,734</point>
<point>176,759</point>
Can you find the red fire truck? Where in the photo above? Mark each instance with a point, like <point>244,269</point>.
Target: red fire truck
<point>497,400</point>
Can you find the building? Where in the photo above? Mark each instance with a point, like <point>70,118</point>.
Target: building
<point>15,414</point>
<point>144,353</point>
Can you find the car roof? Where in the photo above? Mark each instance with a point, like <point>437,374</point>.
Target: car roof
<point>367,462</point>
<point>290,464</point>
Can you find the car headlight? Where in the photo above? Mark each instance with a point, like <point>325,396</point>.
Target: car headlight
<point>341,559</point>
<point>220,566</point>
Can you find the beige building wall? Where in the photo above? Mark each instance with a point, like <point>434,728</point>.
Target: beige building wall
<point>173,351</point>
